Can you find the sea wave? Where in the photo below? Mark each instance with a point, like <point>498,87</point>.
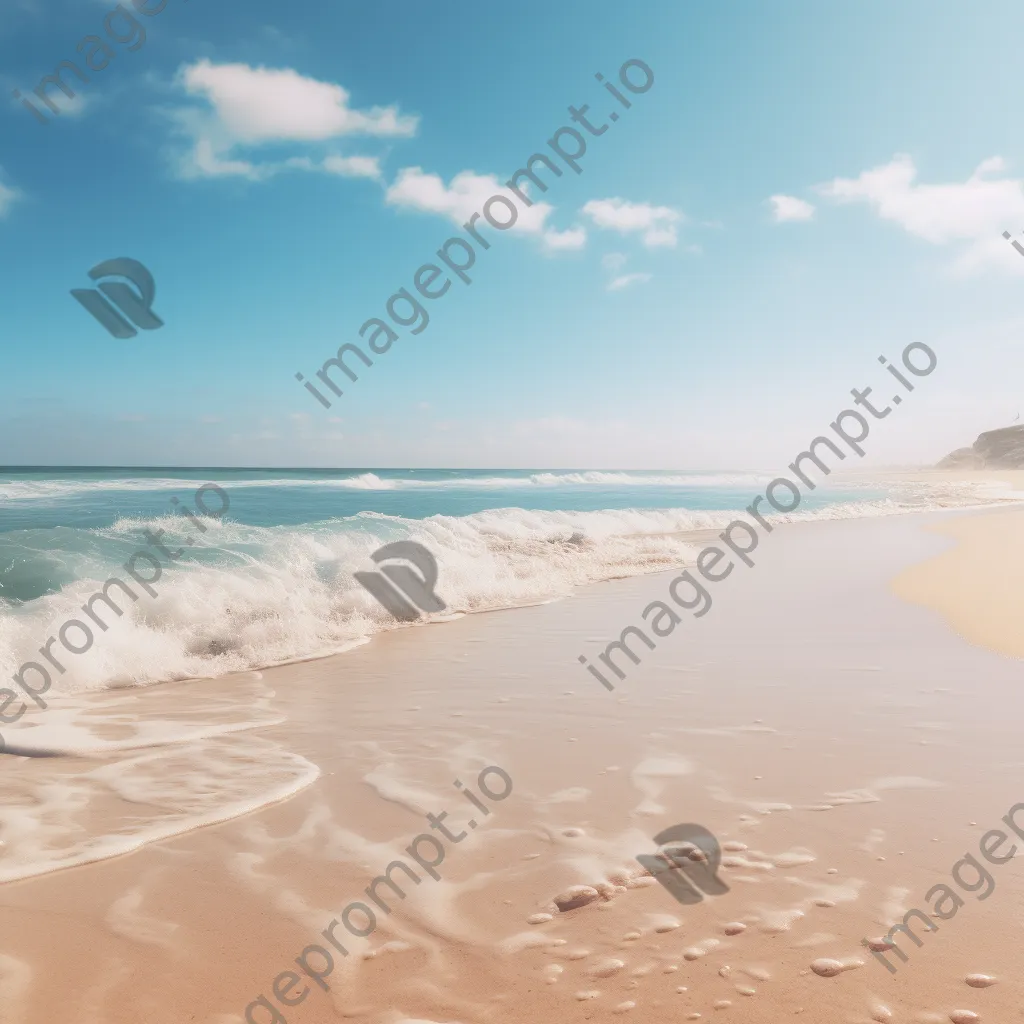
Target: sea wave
<point>67,488</point>
<point>253,596</point>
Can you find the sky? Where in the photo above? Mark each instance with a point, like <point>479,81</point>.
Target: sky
<point>801,189</point>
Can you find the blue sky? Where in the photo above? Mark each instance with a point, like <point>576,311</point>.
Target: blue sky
<point>283,169</point>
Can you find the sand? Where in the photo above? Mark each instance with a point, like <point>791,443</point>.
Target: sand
<point>844,719</point>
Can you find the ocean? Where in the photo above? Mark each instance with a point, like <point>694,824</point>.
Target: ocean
<point>272,582</point>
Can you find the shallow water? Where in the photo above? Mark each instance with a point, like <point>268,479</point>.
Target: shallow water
<point>271,580</point>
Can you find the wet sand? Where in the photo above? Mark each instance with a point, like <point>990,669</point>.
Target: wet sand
<point>844,743</point>
<point>976,584</point>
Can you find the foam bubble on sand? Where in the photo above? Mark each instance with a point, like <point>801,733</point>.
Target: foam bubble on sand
<point>575,794</point>
<point>775,920</point>
<point>575,896</point>
<point>829,968</point>
<point>63,733</point>
<point>964,1017</point>
<point>125,918</point>
<point>793,858</point>
<point>56,818</point>
<point>421,1020</point>
<point>385,781</point>
<point>824,894</point>
<point>664,923</point>
<point>606,968</point>
<point>747,862</point>
<point>980,980</point>
<point>89,725</point>
<point>650,776</point>
<point>528,940</point>
<point>756,972</point>
<point>702,948</point>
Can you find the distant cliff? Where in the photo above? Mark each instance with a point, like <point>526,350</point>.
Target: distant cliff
<point>995,449</point>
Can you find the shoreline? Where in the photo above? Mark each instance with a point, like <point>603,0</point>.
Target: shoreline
<point>685,541</point>
<point>905,738</point>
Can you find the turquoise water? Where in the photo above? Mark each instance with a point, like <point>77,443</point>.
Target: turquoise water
<point>273,579</point>
<point>45,498</point>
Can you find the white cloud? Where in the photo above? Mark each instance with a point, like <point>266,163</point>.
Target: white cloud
<point>618,283</point>
<point>241,107</point>
<point>974,213</point>
<point>658,223</point>
<point>352,166</point>
<point>574,238</point>
<point>787,208</point>
<point>461,198</point>
<point>205,163</point>
<point>266,104</point>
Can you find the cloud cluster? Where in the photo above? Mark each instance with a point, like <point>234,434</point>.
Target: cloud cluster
<point>466,194</point>
<point>657,224</point>
<point>460,199</point>
<point>787,208</point>
<point>234,119</point>
<point>264,105</point>
<point>973,213</point>
<point>241,107</point>
<point>238,108</point>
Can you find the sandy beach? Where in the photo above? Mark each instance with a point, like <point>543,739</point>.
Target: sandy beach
<point>824,721</point>
<point>511,516</point>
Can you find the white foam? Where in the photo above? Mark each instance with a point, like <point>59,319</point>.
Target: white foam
<point>260,596</point>
<point>46,816</point>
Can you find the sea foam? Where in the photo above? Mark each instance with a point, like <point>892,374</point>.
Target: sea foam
<point>254,596</point>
